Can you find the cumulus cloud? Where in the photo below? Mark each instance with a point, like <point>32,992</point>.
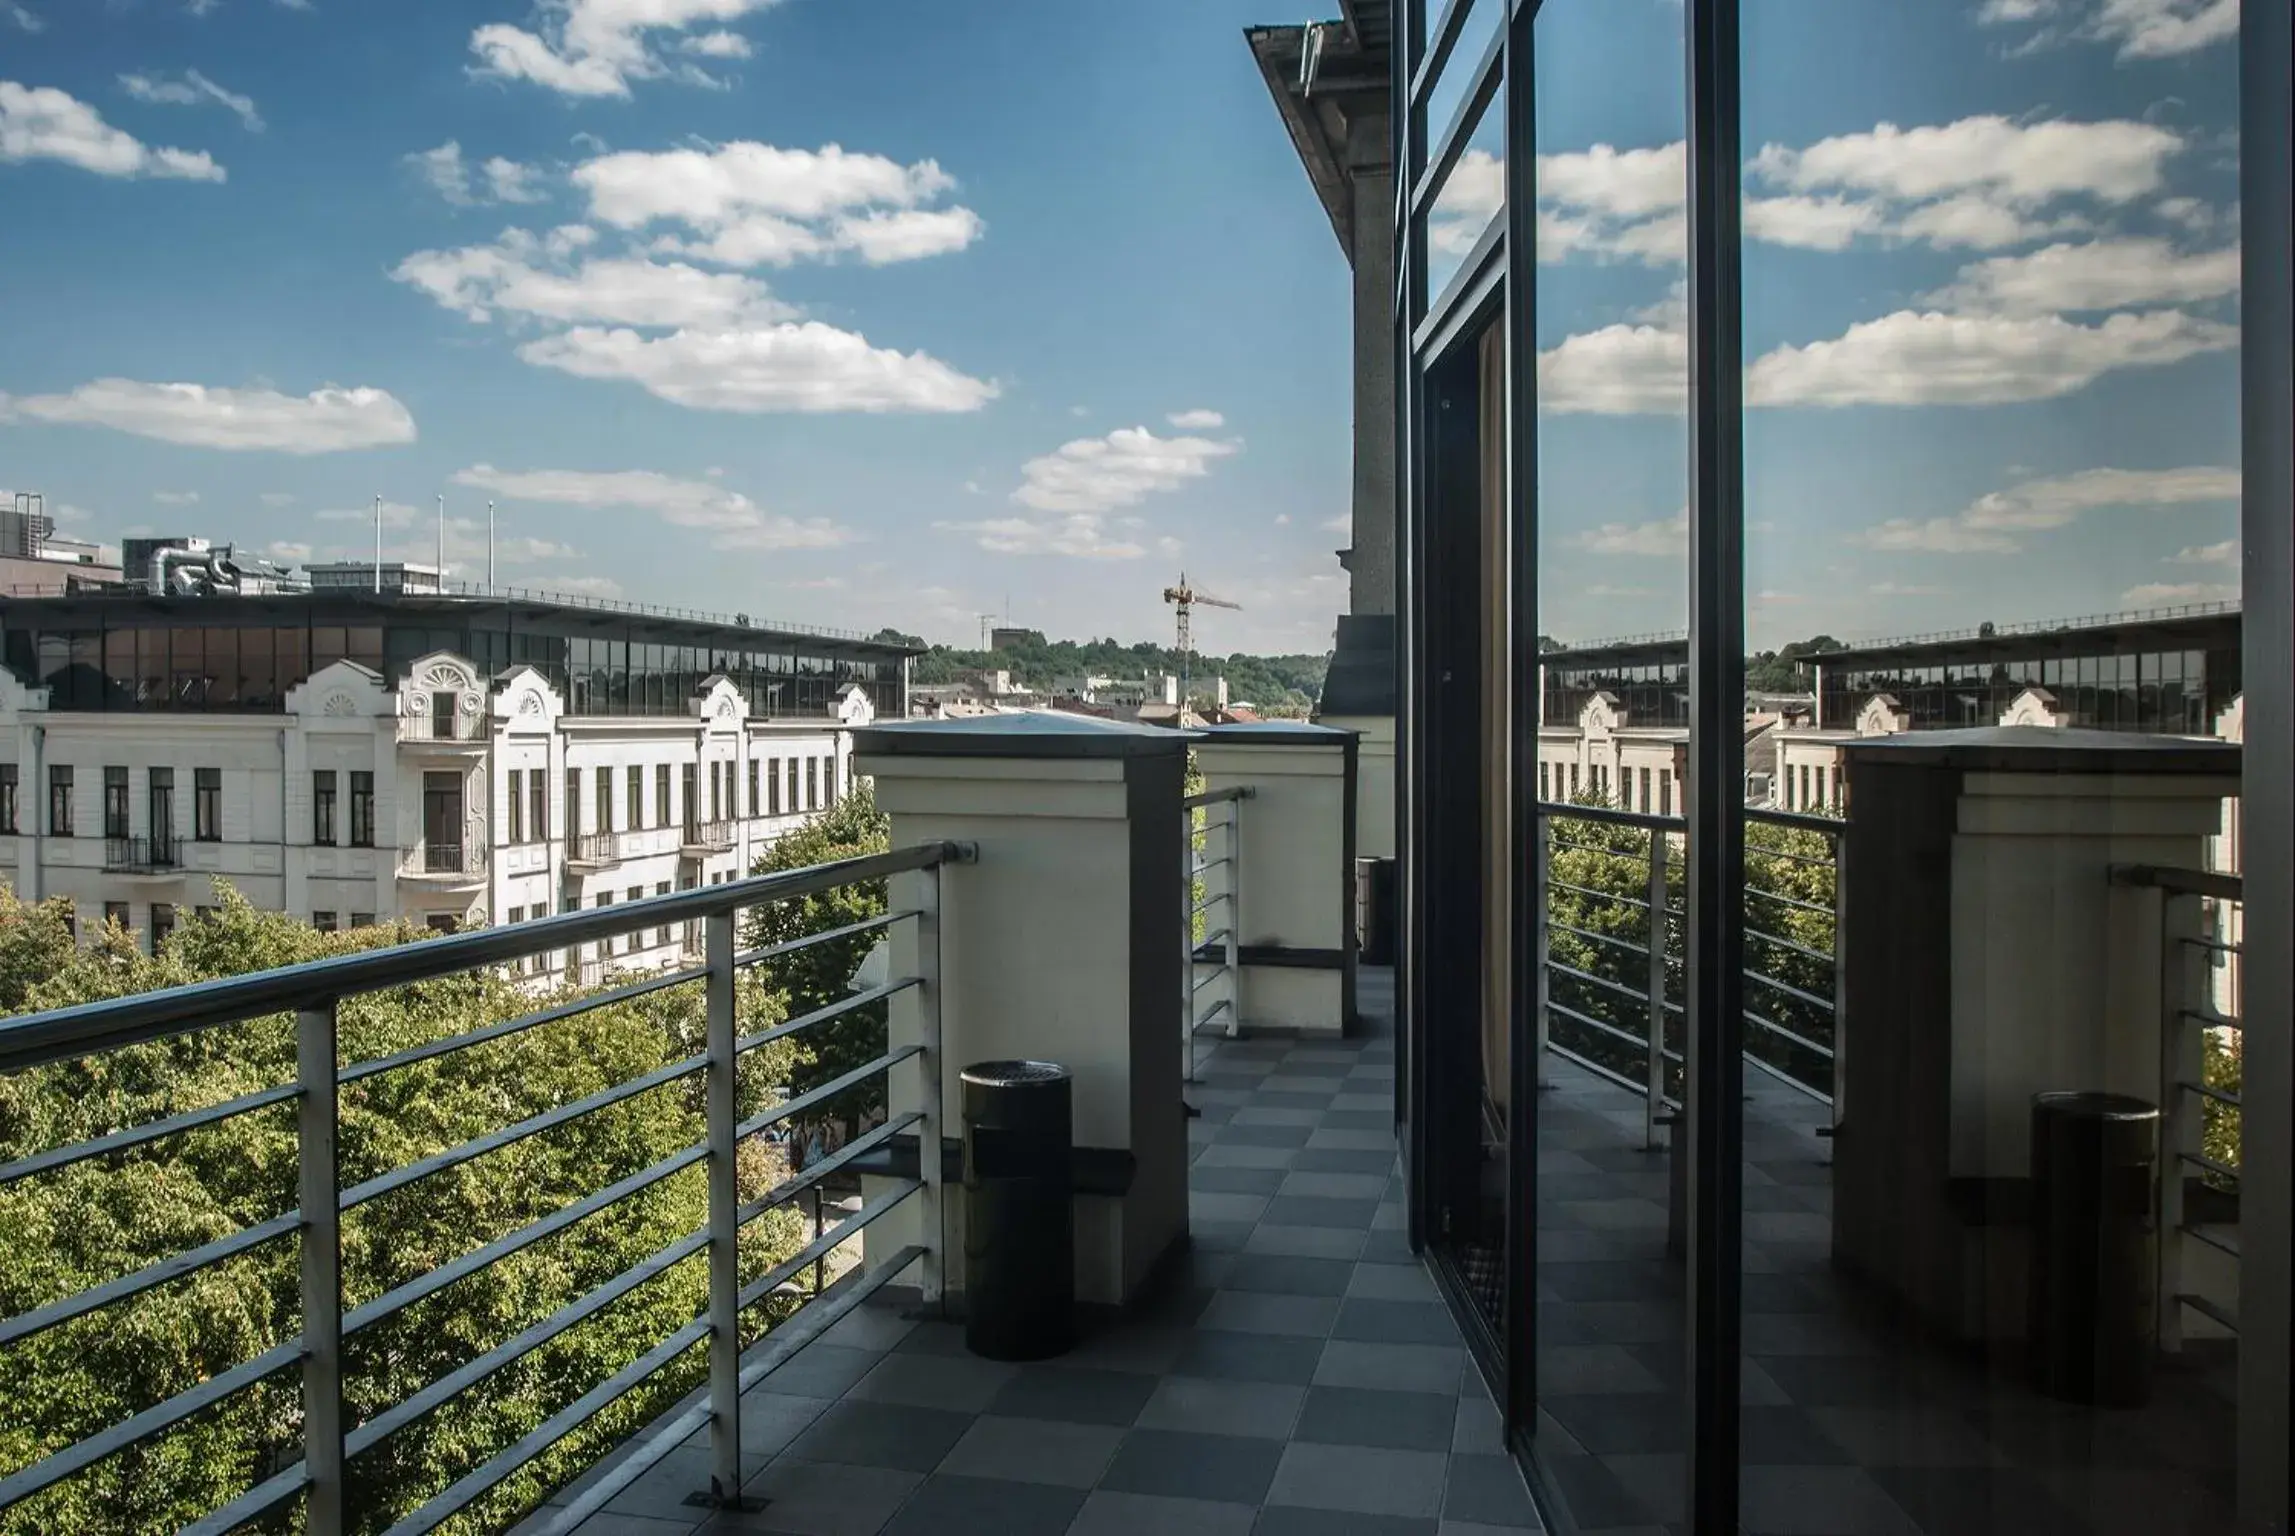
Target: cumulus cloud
<point>540,277</point>
<point>1992,523</point>
<point>1665,538</point>
<point>192,90</point>
<point>804,366</point>
<point>1197,420</point>
<point>731,519</point>
<point>2094,275</point>
<point>1100,474</point>
<point>176,498</point>
<point>2225,553</point>
<point>601,47</point>
<point>42,123</point>
<point>1083,535</point>
<point>327,420</point>
<point>1932,358</point>
<point>2137,29</point>
<point>23,18</point>
<point>466,184</point>
<point>750,204</point>
<point>2164,594</point>
<point>1618,370</point>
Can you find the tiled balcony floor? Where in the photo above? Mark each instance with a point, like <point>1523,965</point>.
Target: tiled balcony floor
<point>1305,1381</point>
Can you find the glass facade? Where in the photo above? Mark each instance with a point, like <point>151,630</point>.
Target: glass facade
<point>2163,692</point>
<point>244,654</point>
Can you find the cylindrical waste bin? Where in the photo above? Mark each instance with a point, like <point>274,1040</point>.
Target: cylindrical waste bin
<point>2094,1302</point>
<point>1019,1219</point>
<point>1375,907</point>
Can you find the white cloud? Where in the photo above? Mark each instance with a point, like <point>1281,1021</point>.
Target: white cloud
<point>1282,519</point>
<point>786,367</point>
<point>600,47</point>
<point>1809,223</point>
<point>42,123</point>
<point>2021,164</point>
<point>1099,474</point>
<point>1083,535</point>
<point>23,18</point>
<point>1196,420</point>
<point>731,519</point>
<point>327,420</point>
<point>522,274</point>
<point>193,90</point>
<point>2164,594</point>
<point>716,45</point>
<point>2094,275</point>
<point>750,204</point>
<point>1343,523</point>
<point>277,498</point>
<point>1904,589</point>
<point>2138,29</point>
<point>493,180</point>
<point>578,586</point>
<point>1996,12</point>
<point>1910,358</point>
<point>176,498</point>
<point>1619,370</point>
<point>1469,200</point>
<point>1663,539</point>
<point>1989,524</point>
<point>289,551</point>
<point>2225,553</point>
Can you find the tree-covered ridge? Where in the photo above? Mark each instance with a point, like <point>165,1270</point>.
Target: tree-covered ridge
<point>1287,685</point>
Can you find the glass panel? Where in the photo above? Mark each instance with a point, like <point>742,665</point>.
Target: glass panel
<point>1472,195</point>
<point>1459,70</point>
<point>1952,435</point>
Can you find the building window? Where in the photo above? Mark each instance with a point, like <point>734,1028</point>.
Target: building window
<point>637,939</point>
<point>661,794</point>
<point>205,914</point>
<point>116,912</point>
<point>59,800</point>
<point>606,944</point>
<point>516,821</point>
<point>7,797</point>
<point>812,783</point>
<point>207,804</point>
<point>160,802</point>
<point>634,784</point>
<point>538,805</point>
<point>323,807</point>
<point>573,804</point>
<point>661,934</point>
<point>362,919</point>
<point>362,808</point>
<point>829,772</point>
<point>115,802</point>
<point>605,799</point>
<point>1646,801</point>
<point>323,921</point>
<point>1573,781</point>
<point>517,915</point>
<point>756,805</point>
<point>689,791</point>
<point>773,786</point>
<point>1665,792</point>
<point>793,802</point>
<point>162,924</point>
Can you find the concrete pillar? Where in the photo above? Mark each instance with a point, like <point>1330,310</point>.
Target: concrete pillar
<point>1374,781</point>
<point>1989,956</point>
<point>1062,942</point>
<point>1371,562</point>
<point>1295,915</point>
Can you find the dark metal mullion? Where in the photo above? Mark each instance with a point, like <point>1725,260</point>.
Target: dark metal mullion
<point>1716,1067</point>
<point>1434,48</point>
<point>1473,286</point>
<point>1453,135</point>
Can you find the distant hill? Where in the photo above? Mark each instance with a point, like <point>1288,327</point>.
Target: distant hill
<point>1277,685</point>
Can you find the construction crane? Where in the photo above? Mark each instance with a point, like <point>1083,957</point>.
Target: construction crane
<point>1185,598</point>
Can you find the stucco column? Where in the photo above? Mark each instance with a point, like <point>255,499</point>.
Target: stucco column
<point>1061,942</point>
<point>1296,867</point>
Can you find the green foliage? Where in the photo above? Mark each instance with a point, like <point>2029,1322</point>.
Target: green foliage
<point>821,974</point>
<point>63,1232</point>
<point>1278,685</point>
<point>1787,670</point>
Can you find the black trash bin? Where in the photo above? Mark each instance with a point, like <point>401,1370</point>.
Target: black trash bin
<point>2094,1318</point>
<point>1019,1219</point>
<point>1375,903</point>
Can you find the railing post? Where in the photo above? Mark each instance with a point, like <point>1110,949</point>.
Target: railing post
<point>724,1220</point>
<point>1653,1108</point>
<point>1187,941</point>
<point>931,1270</point>
<point>1234,955</point>
<point>2178,921</point>
<point>1840,969</point>
<point>319,1192</point>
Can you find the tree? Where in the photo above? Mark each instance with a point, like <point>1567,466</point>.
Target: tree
<point>63,1232</point>
<point>1279,685</point>
<point>1786,671</point>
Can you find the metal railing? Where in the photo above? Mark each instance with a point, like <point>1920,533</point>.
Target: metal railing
<point>142,855</point>
<point>764,626</point>
<point>1614,949</point>
<point>716,836</point>
<point>594,848</point>
<point>2200,924</point>
<point>314,992</point>
<point>1213,889</point>
<point>457,727</point>
<point>427,858</point>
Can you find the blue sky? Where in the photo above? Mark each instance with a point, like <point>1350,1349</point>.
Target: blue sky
<point>880,312</point>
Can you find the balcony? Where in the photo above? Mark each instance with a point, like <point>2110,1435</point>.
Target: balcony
<point>701,839</point>
<point>588,852</point>
<point>160,856</point>
<point>458,734</point>
<point>444,864</point>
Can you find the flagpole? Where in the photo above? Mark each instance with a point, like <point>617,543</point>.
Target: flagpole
<point>490,544</point>
<point>441,541</point>
<point>378,546</point>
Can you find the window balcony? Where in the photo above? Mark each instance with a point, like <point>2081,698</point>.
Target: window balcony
<point>589,852</point>
<point>704,838</point>
<point>457,733</point>
<point>444,864</point>
<point>143,856</point>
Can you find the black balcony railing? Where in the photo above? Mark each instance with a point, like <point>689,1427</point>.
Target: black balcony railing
<point>715,836</point>
<point>142,855</point>
<point>594,848</point>
<point>451,728</point>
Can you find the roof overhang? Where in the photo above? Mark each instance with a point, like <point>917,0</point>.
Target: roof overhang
<point>1345,82</point>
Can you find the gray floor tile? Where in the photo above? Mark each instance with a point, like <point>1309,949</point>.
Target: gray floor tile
<point>821,1370</point>
<point>1335,1186</point>
<point>1109,1513</point>
<point>1905,1436</point>
<point>1272,1098</point>
<point>1228,1469</point>
<point>1293,1136</point>
<point>1580,1368</point>
<point>1404,1421</point>
<point>770,1420</point>
<point>1478,1430</point>
<point>1392,1282</point>
<point>1487,1490</point>
<point>1219,1236</point>
<point>1387,1248</point>
<point>1619,1423</point>
<point>1395,1322</point>
<point>806,1498</point>
<point>1351,1141</point>
<point>1293,1275</point>
<point>869,1327</point>
<point>1819,1501</point>
<point>1257,1114</point>
<point>933,1337</point>
<point>1380,1120</point>
<point>1378,1160</point>
<point>1224,1156</point>
<point>1477,1528</point>
<point>1359,1478</point>
<point>977,1506</point>
<point>610,1523</point>
<point>1314,1211</point>
<point>1251,1357</point>
<point>963,1383</point>
<point>1304,1242</point>
<point>866,1434</point>
<point>1033,1451</point>
<point>1264,1410</point>
<point>1382,1103</point>
<point>1270,1312</point>
<point>1143,1347</point>
<point>1290,1520</point>
<point>1391,1367</point>
<point>663,1490</point>
<point>1074,1395</point>
<point>1284,1080</point>
<point>1234,1181</point>
<point>1208,1206</point>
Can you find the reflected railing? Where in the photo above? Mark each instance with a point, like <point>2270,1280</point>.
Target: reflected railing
<point>1211,838</point>
<point>333,1437</point>
<point>1615,948</point>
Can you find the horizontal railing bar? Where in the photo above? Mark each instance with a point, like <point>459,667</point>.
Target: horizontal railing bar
<point>1638,855</point>
<point>174,1267</point>
<point>1639,1089</point>
<point>1756,851</point>
<point>797,1183</point>
<point>1787,1078</point>
<point>1607,1028</point>
<point>1795,946</point>
<point>837,1009</point>
<point>1208,902</point>
<point>1782,1033</point>
<point>1600,938</point>
<point>1598,895</point>
<point>1811,998</point>
<point>275,1490</point>
<point>1637,994</point>
<point>843,1232</point>
<point>114,1022</point>
<point>2222,1245</point>
<point>827,1090</point>
<point>1213,1012</point>
<point>550,1431</point>
<point>812,1320</point>
<point>1817,907</point>
<point>383,1306</point>
<point>793,946</point>
<point>1209,864</point>
<point>1215,936</point>
<point>2210,1018</point>
<point>54,1468</point>
<point>571,1008</point>
<point>2202,1160</point>
<point>2208,1309</point>
<point>2181,882</point>
<point>1216,796</point>
<point>137,1135</point>
<point>1559,810</point>
<point>1823,826</point>
<point>493,1141</point>
<point>2209,1091</point>
<point>1206,980</point>
<point>460,1380</point>
<point>2212,946</point>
